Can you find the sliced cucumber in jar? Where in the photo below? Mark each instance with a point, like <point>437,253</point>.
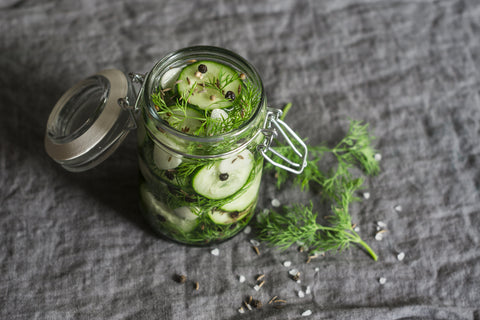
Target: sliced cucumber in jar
<point>215,85</point>
<point>224,217</point>
<point>187,121</point>
<point>182,219</point>
<point>246,197</point>
<point>224,178</point>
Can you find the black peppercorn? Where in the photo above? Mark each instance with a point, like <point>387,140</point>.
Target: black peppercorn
<point>170,175</point>
<point>230,95</point>
<point>223,176</point>
<point>202,68</point>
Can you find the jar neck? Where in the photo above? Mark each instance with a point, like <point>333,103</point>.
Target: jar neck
<point>202,146</point>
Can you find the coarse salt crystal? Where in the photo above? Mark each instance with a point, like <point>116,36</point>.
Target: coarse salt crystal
<point>379,236</point>
<point>241,310</point>
<point>257,287</point>
<point>241,279</point>
<point>287,263</point>
<point>307,313</point>
<point>247,230</point>
<point>401,256</point>
<point>299,281</point>
<point>293,272</point>
<point>379,228</point>
<point>275,203</point>
<point>378,157</point>
<point>382,280</point>
<point>356,229</point>
<point>308,290</point>
<point>215,252</point>
<point>301,294</point>
<point>398,208</point>
<point>366,195</point>
<point>317,269</point>
<point>254,242</point>
<point>381,224</point>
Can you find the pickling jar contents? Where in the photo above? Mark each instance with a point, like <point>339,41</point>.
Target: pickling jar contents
<point>198,159</point>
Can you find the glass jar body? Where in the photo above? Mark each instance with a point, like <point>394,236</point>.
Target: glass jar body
<point>198,190</point>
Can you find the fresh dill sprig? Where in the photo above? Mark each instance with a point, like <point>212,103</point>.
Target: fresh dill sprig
<point>355,149</point>
<point>298,223</point>
<point>176,114</point>
<point>219,83</point>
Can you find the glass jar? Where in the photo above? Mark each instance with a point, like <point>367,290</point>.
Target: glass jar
<point>194,189</point>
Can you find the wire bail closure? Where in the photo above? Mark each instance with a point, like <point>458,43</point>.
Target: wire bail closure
<point>125,104</point>
<point>272,128</point>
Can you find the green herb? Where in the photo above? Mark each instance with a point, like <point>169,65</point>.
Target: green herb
<point>298,223</point>
<point>219,83</point>
<point>354,149</point>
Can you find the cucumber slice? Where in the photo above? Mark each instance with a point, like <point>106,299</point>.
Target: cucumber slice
<point>225,177</point>
<point>222,217</point>
<point>182,219</point>
<point>245,197</point>
<point>187,121</point>
<point>209,93</point>
<point>164,160</point>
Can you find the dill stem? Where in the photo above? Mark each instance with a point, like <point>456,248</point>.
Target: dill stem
<point>369,250</point>
<point>285,110</point>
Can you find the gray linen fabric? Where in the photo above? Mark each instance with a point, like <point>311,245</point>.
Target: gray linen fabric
<point>74,246</point>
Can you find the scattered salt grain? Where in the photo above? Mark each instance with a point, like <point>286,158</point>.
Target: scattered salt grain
<point>381,224</point>
<point>215,252</point>
<point>398,208</point>
<point>241,310</point>
<point>257,287</point>
<point>299,281</point>
<point>254,242</point>
<point>308,290</point>
<point>275,203</point>
<point>378,157</point>
<point>356,229</point>
<point>241,279</point>
<point>317,269</point>
<point>401,256</point>
<point>301,294</point>
<point>293,272</point>
<point>307,313</point>
<point>382,280</point>
<point>247,230</point>
<point>287,263</point>
<point>366,195</point>
<point>379,236</point>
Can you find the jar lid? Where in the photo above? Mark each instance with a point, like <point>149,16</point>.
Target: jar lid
<point>89,121</point>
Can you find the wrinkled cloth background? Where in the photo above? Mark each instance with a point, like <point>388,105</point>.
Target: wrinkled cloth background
<point>74,246</point>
